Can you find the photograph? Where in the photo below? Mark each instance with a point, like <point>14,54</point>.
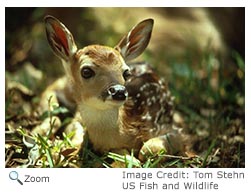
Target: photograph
<point>124,87</point>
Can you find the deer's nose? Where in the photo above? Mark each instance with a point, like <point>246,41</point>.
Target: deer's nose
<point>118,92</point>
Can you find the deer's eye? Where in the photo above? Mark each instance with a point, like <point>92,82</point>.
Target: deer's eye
<point>127,74</point>
<point>87,73</point>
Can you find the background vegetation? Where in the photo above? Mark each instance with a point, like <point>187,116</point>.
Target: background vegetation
<point>208,84</point>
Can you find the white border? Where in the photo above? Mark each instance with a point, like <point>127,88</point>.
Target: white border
<point>127,3</point>
<point>2,89</point>
<point>247,86</point>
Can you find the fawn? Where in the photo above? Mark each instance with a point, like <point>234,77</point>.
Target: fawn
<point>122,105</point>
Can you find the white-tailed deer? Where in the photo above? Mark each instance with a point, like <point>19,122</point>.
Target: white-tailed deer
<point>122,105</point>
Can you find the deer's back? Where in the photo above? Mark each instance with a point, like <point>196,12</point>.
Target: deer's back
<point>149,107</point>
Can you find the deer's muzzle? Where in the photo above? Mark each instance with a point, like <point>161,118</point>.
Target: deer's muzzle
<point>115,92</point>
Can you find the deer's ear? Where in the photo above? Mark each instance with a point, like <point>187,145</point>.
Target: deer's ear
<point>59,38</point>
<point>136,40</point>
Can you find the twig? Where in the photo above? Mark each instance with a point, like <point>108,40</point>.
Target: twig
<point>9,157</point>
<point>176,157</point>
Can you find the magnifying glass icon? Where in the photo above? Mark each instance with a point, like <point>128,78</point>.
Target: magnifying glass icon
<point>13,175</point>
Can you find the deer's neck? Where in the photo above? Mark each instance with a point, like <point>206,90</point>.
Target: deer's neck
<point>104,128</point>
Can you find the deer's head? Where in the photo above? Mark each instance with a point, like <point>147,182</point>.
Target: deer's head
<point>98,73</point>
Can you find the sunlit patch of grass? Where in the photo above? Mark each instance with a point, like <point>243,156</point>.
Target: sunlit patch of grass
<point>56,151</point>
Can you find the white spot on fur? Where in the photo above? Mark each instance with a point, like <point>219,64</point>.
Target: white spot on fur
<point>147,117</point>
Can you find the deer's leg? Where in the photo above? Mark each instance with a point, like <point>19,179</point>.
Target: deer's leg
<point>174,142</point>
